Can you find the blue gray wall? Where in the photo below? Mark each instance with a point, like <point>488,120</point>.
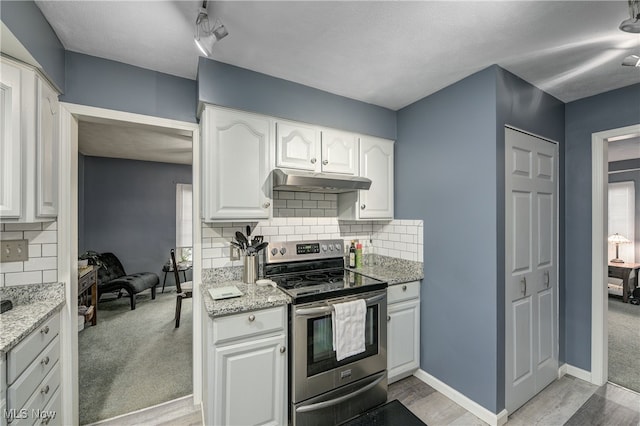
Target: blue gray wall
<point>130,210</point>
<point>521,105</point>
<point>227,85</point>
<point>113,85</point>
<point>27,23</point>
<point>450,173</point>
<point>629,171</point>
<point>610,110</point>
<point>446,172</point>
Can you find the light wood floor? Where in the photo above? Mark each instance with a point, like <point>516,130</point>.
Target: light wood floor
<point>566,402</point>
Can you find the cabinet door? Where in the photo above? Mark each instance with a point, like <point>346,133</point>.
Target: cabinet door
<point>376,163</point>
<point>10,142</point>
<point>47,152</point>
<point>297,146</point>
<point>235,165</point>
<point>250,383</point>
<point>339,152</point>
<point>403,338</point>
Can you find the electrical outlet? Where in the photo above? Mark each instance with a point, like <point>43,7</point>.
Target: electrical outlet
<point>14,251</point>
<point>234,253</point>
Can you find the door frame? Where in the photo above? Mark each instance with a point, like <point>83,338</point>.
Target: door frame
<point>68,243</point>
<point>599,272</point>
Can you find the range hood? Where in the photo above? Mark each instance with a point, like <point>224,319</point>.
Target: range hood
<point>293,180</point>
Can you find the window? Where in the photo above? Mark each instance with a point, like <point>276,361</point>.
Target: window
<point>184,222</point>
<point>622,218</point>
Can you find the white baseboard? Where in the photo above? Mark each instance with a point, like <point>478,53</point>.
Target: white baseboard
<point>576,372</point>
<point>465,402</point>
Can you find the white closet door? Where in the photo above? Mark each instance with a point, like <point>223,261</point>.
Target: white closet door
<point>531,315</point>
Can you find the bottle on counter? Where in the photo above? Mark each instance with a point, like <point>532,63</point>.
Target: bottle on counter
<point>358,255</point>
<point>369,252</point>
<point>352,254</point>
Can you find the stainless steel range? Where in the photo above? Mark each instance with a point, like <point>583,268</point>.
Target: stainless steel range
<point>323,390</point>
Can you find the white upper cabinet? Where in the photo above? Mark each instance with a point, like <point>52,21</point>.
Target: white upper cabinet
<point>235,165</point>
<point>297,146</point>
<point>339,152</point>
<point>47,151</point>
<point>307,147</point>
<point>29,142</point>
<point>376,163</point>
<point>10,141</point>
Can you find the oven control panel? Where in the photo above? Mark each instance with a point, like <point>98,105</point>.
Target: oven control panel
<point>291,251</point>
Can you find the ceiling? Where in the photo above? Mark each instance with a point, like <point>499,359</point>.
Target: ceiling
<point>387,53</point>
<point>626,148</point>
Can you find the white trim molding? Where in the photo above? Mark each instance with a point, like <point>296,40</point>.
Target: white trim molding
<point>68,247</point>
<point>599,185</point>
<point>576,372</point>
<point>464,401</point>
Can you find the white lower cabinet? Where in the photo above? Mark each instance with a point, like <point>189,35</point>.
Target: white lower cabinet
<point>33,378</point>
<point>247,369</point>
<point>403,330</point>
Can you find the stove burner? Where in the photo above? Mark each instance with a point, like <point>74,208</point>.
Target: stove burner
<point>317,277</point>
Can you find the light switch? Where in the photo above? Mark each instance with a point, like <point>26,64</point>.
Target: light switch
<point>14,250</point>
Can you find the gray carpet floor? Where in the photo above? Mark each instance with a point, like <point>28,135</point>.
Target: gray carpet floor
<point>134,359</point>
<point>624,344</point>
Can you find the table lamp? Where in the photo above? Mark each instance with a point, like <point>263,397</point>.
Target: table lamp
<point>617,239</point>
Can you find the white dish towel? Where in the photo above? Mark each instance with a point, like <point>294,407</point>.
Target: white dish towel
<point>348,322</point>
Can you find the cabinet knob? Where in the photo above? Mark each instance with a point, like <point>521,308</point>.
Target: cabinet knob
<point>404,288</point>
<point>45,330</point>
<point>282,349</point>
<point>523,281</point>
<point>388,318</point>
<point>313,161</point>
<point>325,162</point>
<point>363,206</point>
<point>266,205</point>
<point>252,318</point>
<point>45,360</point>
<point>45,390</point>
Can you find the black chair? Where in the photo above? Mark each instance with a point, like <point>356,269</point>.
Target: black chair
<point>112,278</point>
<point>184,290</point>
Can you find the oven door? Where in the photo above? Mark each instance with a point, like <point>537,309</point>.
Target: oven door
<point>315,368</point>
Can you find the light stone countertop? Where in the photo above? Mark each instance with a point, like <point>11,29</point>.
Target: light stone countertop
<point>393,270</point>
<point>254,296</point>
<point>32,305</point>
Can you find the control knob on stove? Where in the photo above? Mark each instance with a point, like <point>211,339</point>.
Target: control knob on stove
<point>324,247</point>
<point>283,251</point>
<point>274,251</point>
<point>338,248</point>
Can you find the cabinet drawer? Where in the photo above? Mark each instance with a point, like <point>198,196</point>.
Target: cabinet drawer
<point>26,351</point>
<point>85,282</point>
<point>41,411</point>
<point>248,324</point>
<point>400,292</point>
<point>36,378</point>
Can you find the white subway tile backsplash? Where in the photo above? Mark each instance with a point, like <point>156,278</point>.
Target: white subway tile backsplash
<point>40,263</point>
<point>21,278</point>
<point>41,237</point>
<point>302,196</point>
<point>50,276</point>
<point>23,227</point>
<point>35,250</point>
<point>7,267</point>
<point>316,196</point>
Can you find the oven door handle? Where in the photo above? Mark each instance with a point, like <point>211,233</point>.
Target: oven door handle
<point>336,401</point>
<point>327,309</point>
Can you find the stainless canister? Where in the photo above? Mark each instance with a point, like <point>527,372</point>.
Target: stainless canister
<point>250,269</point>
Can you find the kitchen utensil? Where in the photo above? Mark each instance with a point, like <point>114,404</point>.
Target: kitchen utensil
<point>242,239</point>
<point>260,247</point>
<point>257,239</point>
<point>248,231</point>
<point>236,244</point>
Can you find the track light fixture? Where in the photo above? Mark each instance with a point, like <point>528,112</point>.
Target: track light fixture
<point>206,33</point>
<point>632,25</point>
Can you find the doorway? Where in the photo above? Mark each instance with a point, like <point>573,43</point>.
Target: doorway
<point>74,120</point>
<point>599,255</point>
